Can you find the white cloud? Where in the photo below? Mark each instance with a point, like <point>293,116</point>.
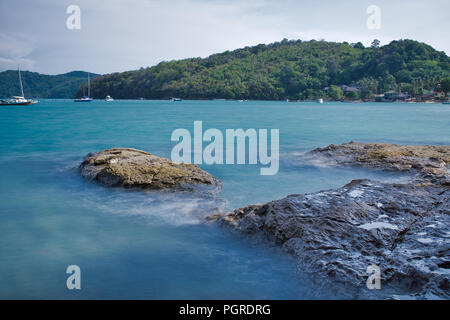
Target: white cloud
<point>14,49</point>
<point>11,64</point>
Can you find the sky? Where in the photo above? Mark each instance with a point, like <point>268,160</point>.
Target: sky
<point>121,35</point>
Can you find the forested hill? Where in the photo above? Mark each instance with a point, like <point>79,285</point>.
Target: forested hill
<point>38,85</point>
<point>286,69</point>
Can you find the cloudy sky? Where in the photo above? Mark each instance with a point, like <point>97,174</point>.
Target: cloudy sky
<point>119,35</point>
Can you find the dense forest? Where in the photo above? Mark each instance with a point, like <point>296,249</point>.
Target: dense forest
<point>287,69</point>
<point>36,85</point>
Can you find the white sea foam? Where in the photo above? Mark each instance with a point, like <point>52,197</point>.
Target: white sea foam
<point>308,159</point>
<point>356,193</point>
<point>173,208</point>
<point>425,240</point>
<point>378,225</point>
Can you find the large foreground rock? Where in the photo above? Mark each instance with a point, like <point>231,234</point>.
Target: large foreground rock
<point>336,234</point>
<point>133,168</point>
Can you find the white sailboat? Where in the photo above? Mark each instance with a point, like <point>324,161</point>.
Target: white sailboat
<point>18,100</point>
<point>88,97</point>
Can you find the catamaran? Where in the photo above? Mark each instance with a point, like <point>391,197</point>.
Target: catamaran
<point>18,100</point>
<point>86,98</point>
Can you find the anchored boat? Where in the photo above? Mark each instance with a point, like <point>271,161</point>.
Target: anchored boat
<point>86,98</point>
<point>18,100</point>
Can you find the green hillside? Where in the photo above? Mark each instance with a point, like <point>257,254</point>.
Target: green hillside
<point>286,69</point>
<point>38,85</point>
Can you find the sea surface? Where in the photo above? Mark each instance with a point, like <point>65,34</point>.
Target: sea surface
<point>152,245</point>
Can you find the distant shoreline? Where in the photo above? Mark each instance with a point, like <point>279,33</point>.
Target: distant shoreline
<point>256,100</point>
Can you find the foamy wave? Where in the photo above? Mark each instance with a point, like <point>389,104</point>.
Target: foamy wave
<point>298,158</point>
<point>156,207</point>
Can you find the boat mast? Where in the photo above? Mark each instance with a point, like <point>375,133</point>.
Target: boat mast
<point>89,86</point>
<point>20,81</point>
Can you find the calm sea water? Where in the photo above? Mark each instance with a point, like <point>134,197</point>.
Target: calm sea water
<point>132,244</point>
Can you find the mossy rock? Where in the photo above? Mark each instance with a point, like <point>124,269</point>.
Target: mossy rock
<point>132,168</point>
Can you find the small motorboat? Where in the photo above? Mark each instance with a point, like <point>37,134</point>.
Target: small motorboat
<point>175,99</point>
<point>109,98</point>
<point>320,100</point>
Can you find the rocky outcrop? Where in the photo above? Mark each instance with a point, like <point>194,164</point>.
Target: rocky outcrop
<point>133,168</point>
<point>430,163</point>
<point>404,229</point>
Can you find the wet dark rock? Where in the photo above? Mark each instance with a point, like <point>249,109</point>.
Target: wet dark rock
<point>336,234</point>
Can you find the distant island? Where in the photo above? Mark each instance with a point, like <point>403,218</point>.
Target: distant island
<point>293,70</point>
<point>38,85</point>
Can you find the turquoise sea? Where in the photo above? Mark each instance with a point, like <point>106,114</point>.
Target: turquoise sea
<point>150,245</point>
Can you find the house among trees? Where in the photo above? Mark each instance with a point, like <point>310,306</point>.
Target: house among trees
<point>392,96</point>
<point>346,89</point>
